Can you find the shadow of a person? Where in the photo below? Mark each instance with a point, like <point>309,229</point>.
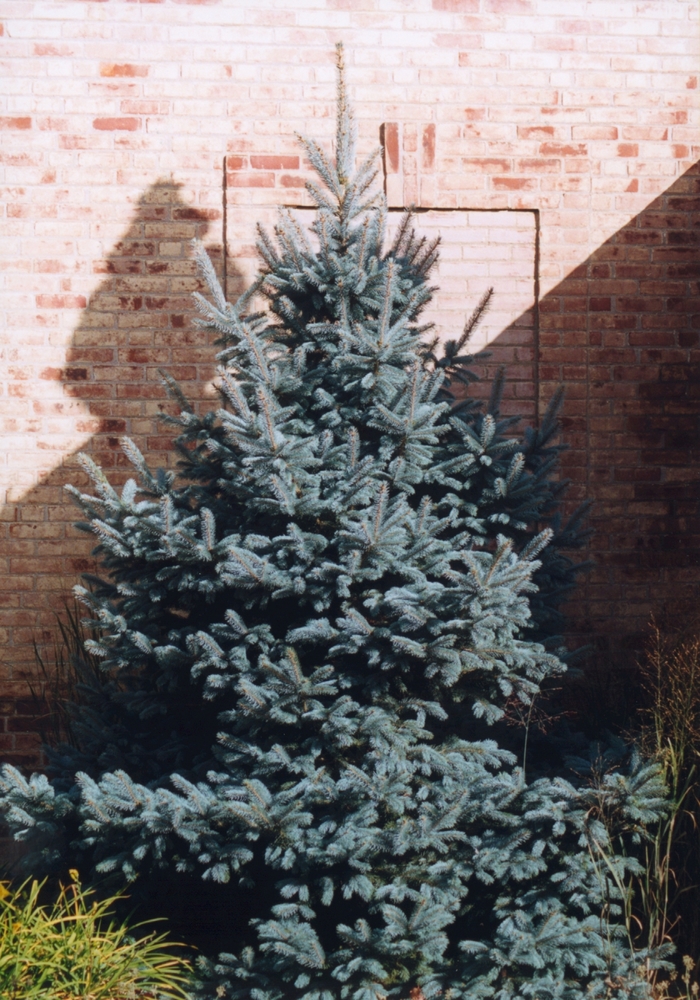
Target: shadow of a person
<point>137,321</point>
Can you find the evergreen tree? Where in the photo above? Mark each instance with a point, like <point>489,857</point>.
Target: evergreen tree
<point>305,635</point>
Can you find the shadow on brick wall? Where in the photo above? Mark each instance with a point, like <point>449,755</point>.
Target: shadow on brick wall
<point>622,334</point>
<point>137,321</point>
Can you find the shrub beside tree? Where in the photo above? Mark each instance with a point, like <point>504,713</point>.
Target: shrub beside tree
<point>73,949</point>
<point>308,636</point>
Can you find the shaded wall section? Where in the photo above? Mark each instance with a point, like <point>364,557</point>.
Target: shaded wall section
<point>138,320</point>
<point>621,332</point>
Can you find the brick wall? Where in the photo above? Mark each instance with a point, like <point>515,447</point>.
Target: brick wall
<point>553,144</point>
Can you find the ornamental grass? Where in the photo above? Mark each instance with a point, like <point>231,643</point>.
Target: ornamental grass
<point>73,948</point>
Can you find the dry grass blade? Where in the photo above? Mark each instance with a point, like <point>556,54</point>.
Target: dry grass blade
<point>667,892</point>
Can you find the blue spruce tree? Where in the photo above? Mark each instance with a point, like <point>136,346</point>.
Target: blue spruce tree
<point>308,636</point>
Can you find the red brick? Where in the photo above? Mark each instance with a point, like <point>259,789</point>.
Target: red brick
<point>390,137</point>
<point>274,162</point>
<point>61,301</point>
<point>122,69</point>
<point>563,149</point>
<point>594,132</point>
<point>73,141</point>
<point>538,165</point>
<point>15,123</point>
<point>116,124</point>
<point>490,165</point>
<point>252,180</point>
<point>535,131</point>
<point>514,183</point>
<point>52,124</point>
<point>428,162</point>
